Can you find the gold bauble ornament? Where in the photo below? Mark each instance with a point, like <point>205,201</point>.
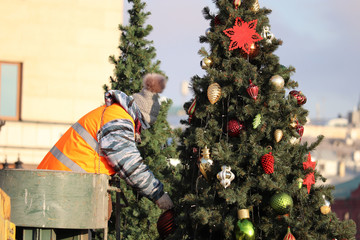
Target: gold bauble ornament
<point>206,63</point>
<point>205,162</point>
<point>325,209</point>
<point>278,134</point>
<point>214,92</point>
<point>294,140</point>
<point>277,82</point>
<point>225,176</point>
<point>294,121</point>
<point>256,6</point>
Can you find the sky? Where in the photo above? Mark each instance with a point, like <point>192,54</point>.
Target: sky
<point>321,39</point>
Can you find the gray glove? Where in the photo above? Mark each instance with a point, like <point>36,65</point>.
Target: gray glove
<point>164,202</point>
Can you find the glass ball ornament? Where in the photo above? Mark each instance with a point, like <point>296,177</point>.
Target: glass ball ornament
<point>277,82</point>
<point>244,229</point>
<point>207,31</point>
<point>254,51</point>
<point>234,127</point>
<point>299,96</point>
<point>206,63</point>
<point>281,203</point>
<point>166,223</point>
<point>325,209</point>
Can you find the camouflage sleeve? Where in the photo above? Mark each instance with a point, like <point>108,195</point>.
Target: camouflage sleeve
<point>118,145</point>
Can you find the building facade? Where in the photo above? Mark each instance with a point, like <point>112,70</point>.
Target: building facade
<point>347,202</point>
<point>53,64</point>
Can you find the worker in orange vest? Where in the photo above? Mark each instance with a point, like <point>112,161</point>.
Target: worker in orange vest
<point>104,140</point>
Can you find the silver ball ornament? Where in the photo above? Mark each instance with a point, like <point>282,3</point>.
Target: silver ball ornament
<point>207,31</point>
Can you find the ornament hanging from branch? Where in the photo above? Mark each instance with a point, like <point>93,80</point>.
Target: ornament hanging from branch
<point>206,63</point>
<point>300,130</point>
<point>277,82</point>
<point>237,3</point>
<point>217,20</point>
<point>281,203</point>
<point>191,110</point>
<point>208,31</point>
<point>289,235</point>
<point>278,134</point>
<point>255,7</point>
<point>254,51</point>
<point>309,180</point>
<point>325,209</point>
<point>299,96</point>
<point>244,229</point>
<point>242,35</point>
<point>267,162</point>
<point>310,177</point>
<point>267,35</point>
<point>234,127</point>
<point>166,223</point>
<point>257,121</point>
<point>214,92</point>
<point>205,162</point>
<point>309,163</point>
<point>225,176</point>
<point>293,121</point>
<point>294,140</point>
<point>299,181</point>
<point>253,90</point>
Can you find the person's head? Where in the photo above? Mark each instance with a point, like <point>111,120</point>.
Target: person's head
<point>148,99</point>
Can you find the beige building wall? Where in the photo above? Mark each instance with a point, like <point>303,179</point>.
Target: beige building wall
<point>64,46</point>
<point>312,131</point>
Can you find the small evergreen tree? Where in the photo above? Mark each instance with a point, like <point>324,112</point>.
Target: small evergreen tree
<point>241,149</point>
<point>138,220</point>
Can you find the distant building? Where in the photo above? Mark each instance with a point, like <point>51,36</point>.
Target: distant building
<point>347,202</point>
<point>53,64</point>
<point>338,160</point>
<point>354,116</point>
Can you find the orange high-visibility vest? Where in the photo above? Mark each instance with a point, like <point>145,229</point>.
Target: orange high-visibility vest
<point>78,149</point>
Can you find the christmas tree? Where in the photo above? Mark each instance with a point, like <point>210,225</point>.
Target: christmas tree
<point>247,174</point>
<point>137,57</point>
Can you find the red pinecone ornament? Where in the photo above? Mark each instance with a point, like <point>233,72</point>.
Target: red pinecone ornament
<point>253,90</point>
<point>234,127</point>
<point>166,224</point>
<point>267,162</point>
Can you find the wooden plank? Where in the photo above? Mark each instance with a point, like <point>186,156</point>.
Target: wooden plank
<point>56,199</point>
<point>10,230</point>
<point>5,205</point>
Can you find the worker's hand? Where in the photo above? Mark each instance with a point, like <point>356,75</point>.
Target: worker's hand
<point>165,202</point>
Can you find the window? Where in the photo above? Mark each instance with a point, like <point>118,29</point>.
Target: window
<point>10,90</point>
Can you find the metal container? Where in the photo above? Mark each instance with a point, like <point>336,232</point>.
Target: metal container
<point>56,199</point>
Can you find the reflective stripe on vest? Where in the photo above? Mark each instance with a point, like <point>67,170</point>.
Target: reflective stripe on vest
<point>67,161</point>
<point>86,136</point>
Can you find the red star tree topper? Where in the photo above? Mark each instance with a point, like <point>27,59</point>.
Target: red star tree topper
<point>242,34</point>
